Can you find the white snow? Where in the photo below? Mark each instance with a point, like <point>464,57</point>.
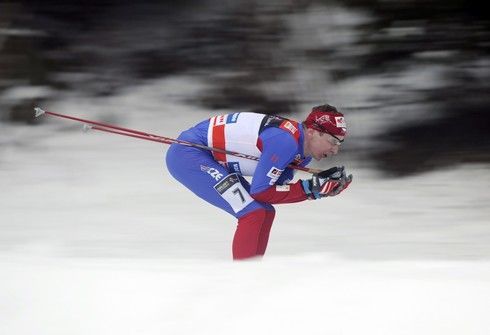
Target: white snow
<point>307,294</point>
<point>97,238</point>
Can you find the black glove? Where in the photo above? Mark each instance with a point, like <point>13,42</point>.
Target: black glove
<point>327,183</point>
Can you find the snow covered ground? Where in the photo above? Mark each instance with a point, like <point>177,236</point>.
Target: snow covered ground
<point>97,238</point>
<point>303,294</point>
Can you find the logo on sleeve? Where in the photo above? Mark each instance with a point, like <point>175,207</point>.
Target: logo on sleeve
<point>289,127</point>
<point>274,174</point>
<point>297,159</point>
<point>234,167</point>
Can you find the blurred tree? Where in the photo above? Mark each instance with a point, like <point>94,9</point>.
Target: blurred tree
<point>239,49</point>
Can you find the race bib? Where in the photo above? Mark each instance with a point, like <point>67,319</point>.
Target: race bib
<point>233,192</point>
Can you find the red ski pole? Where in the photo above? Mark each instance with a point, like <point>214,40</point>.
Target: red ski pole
<point>108,128</point>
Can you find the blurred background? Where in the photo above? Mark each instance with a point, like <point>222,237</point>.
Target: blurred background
<point>412,76</point>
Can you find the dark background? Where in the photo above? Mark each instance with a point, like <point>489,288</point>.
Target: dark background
<point>100,47</point>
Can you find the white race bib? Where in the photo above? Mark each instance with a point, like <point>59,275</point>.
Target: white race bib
<point>233,192</point>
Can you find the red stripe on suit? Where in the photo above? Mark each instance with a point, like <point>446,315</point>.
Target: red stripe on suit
<point>219,141</point>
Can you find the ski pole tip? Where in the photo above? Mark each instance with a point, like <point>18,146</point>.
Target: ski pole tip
<point>38,111</point>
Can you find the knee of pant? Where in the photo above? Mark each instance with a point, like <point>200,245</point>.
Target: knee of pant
<point>269,208</point>
<point>266,206</point>
<point>265,214</point>
<point>271,213</point>
<point>269,216</point>
<point>257,216</point>
<point>254,206</point>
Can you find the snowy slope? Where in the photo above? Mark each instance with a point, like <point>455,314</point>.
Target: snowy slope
<point>96,238</point>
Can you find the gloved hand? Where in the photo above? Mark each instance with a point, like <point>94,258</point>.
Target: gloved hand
<point>327,183</point>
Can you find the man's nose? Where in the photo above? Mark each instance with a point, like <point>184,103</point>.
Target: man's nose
<point>335,149</point>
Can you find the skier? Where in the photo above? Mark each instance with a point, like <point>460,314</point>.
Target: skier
<point>218,178</point>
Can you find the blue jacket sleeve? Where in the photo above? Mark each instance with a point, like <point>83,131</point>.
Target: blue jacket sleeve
<point>289,173</point>
<point>278,151</point>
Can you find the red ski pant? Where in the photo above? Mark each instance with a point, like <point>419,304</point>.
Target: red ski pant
<point>252,234</point>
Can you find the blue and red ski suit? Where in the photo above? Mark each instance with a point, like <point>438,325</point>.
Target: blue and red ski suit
<point>219,178</point>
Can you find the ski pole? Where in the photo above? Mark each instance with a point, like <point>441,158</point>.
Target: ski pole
<point>108,128</point>
<point>172,141</point>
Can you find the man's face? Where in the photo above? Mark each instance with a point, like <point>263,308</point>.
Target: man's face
<point>320,145</point>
